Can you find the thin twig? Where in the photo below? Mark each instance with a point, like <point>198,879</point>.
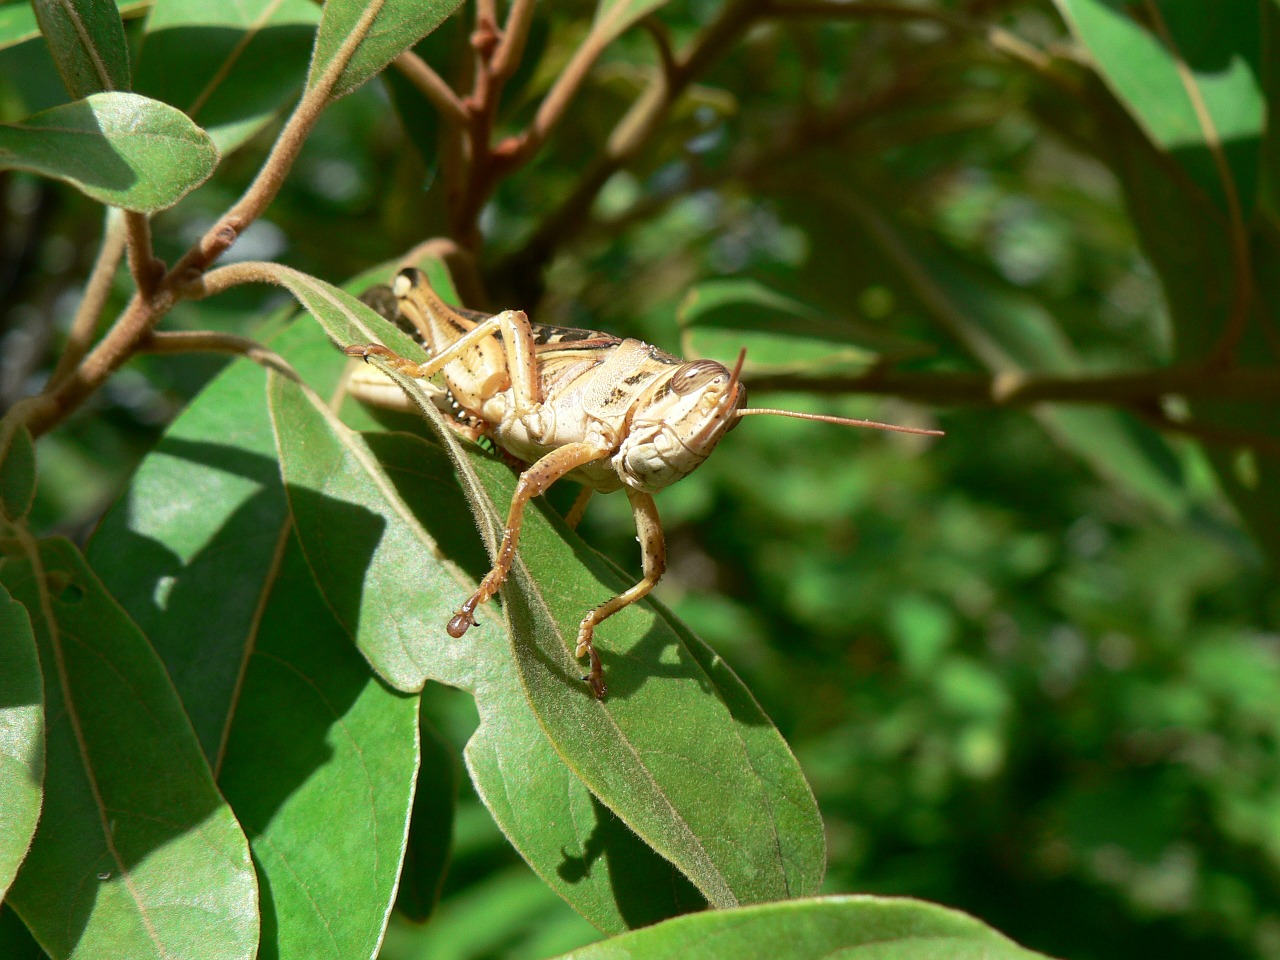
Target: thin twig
<point>515,34</point>
<point>142,261</point>
<point>96,290</point>
<point>142,313</point>
<point>209,341</point>
<point>432,86</point>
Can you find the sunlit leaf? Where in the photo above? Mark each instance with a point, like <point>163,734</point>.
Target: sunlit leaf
<point>119,148</point>
<point>86,38</point>
<point>845,927</point>
<point>386,28</point>
<point>130,808</point>
<point>21,736</point>
<point>230,66</point>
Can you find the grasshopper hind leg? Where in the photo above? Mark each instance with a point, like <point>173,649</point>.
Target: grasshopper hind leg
<point>653,554</point>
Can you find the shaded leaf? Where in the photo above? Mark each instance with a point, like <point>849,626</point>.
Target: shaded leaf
<point>1143,62</point>
<point>21,736</point>
<point>136,853</point>
<point>18,19</point>
<point>830,927</point>
<point>426,856</point>
<point>781,334</point>
<point>86,38</point>
<point>388,27</point>
<point>231,66</point>
<point>119,148</point>
<point>1269,188</point>
<point>302,737</point>
<point>18,475</point>
<point>16,942</point>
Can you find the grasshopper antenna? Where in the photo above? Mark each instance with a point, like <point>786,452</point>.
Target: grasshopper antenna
<point>821,417</point>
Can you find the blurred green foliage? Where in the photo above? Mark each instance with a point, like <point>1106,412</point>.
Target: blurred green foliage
<point>1019,683</point>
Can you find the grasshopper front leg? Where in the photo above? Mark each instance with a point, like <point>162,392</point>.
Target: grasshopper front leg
<point>533,482</point>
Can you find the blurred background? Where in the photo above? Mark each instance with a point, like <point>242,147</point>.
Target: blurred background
<point>1030,669</point>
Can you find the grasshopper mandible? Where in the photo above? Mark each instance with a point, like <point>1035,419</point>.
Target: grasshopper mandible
<point>610,413</point>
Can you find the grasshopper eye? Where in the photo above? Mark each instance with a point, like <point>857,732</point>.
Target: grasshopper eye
<point>694,375</point>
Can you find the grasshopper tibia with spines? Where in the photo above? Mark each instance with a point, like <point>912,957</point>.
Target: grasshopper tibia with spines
<point>609,413</point>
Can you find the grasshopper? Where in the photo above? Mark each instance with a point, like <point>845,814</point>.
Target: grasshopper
<point>609,413</point>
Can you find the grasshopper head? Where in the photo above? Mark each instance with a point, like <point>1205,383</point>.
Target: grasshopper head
<point>677,422</point>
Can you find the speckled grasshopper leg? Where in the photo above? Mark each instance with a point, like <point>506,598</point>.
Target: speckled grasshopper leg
<point>610,413</point>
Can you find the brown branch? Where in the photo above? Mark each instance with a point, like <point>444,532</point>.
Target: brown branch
<point>515,34</point>
<point>143,312</point>
<point>96,290</point>
<point>208,341</point>
<point>432,86</point>
<point>147,271</point>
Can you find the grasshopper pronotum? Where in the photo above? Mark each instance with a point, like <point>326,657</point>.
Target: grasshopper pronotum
<point>612,414</point>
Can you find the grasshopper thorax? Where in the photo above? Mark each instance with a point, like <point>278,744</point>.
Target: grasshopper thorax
<point>676,423</point>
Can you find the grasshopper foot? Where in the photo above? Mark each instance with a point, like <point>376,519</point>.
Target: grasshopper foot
<point>366,350</point>
<point>594,679</point>
<point>463,620</point>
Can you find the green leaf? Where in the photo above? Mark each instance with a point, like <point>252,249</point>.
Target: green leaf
<point>366,547</point>
<point>231,66</point>
<point>119,148</point>
<point>86,38</point>
<point>426,857</point>
<point>18,19</point>
<point>386,28</point>
<point>21,736</point>
<point>874,928</point>
<point>1174,64</point>
<point>302,737</point>
<point>136,854</point>
<point>781,334</point>
<point>17,474</point>
<point>718,793</point>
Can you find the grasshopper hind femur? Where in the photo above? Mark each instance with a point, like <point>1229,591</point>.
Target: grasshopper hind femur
<point>610,413</point>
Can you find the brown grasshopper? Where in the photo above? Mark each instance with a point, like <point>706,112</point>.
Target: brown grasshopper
<point>610,413</point>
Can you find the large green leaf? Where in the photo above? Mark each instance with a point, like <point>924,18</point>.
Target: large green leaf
<point>1190,77</point>
<point>865,928</point>
<point>18,19</point>
<point>21,736</point>
<point>230,65</point>
<point>718,793</point>
<point>386,27</point>
<point>119,148</point>
<point>302,737</point>
<point>426,857</point>
<point>136,854</point>
<point>86,38</point>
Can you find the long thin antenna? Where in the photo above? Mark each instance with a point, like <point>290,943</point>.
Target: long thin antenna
<point>737,367</point>
<point>842,421</point>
